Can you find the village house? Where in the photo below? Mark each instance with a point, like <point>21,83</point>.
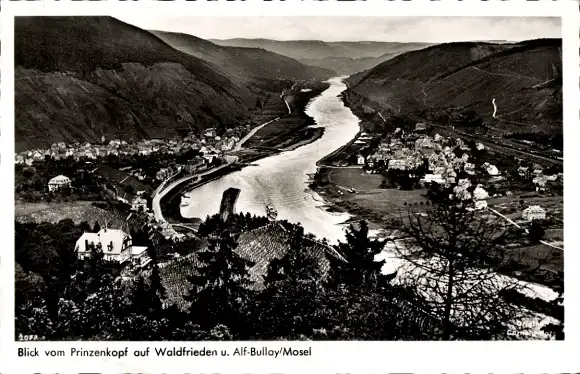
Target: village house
<point>461,193</point>
<point>447,151</point>
<point>115,143</point>
<point>210,157</point>
<point>464,183</point>
<point>360,160</point>
<point>37,156</point>
<point>533,212</point>
<point>420,127</point>
<point>139,204</point>
<point>479,193</point>
<point>439,170</point>
<point>523,171</point>
<point>163,174</point>
<point>58,182</point>
<point>479,147</point>
<point>397,164</point>
<point>491,169</point>
<point>425,146</point>
<point>210,133</point>
<point>469,168</point>
<point>450,175</point>
<point>540,183</point>
<point>537,172</point>
<point>480,204</point>
<point>364,137</point>
<point>429,178</point>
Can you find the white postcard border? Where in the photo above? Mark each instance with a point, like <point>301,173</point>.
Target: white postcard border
<point>353,357</point>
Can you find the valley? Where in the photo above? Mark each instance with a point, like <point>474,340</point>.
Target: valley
<point>175,187</point>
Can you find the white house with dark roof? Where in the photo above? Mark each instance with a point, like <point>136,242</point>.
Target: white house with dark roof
<point>58,182</point>
<point>533,212</point>
<point>115,244</point>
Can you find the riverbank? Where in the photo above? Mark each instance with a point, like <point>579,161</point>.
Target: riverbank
<point>349,189</point>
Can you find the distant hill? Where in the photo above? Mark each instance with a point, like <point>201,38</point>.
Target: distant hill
<point>296,49</point>
<point>523,78</point>
<point>245,64</point>
<point>80,78</point>
<point>350,66</point>
<point>317,49</point>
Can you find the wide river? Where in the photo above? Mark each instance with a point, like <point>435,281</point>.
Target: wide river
<point>282,180</point>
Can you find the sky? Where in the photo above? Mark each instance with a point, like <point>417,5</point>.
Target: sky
<point>393,29</point>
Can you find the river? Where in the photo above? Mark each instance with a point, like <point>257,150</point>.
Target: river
<point>281,180</point>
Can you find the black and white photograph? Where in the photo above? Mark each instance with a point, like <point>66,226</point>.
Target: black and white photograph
<point>297,178</point>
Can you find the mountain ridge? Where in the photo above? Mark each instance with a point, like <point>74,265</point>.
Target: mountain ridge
<point>242,62</point>
<point>470,75</point>
<point>80,78</point>
<point>344,57</point>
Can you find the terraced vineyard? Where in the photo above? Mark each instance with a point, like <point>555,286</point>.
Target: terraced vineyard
<point>78,212</point>
<point>260,246</point>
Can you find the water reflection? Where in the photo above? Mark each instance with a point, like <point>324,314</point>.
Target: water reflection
<point>281,180</point>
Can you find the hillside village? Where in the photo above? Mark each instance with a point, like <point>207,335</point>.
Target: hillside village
<point>442,160</point>
<point>209,144</point>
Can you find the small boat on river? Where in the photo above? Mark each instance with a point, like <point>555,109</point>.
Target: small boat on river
<point>184,201</point>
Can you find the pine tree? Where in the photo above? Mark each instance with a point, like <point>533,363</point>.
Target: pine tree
<point>84,226</point>
<point>96,227</point>
<point>95,268</point>
<point>219,291</point>
<point>156,284</point>
<point>536,231</point>
<point>296,264</point>
<point>450,256</point>
<point>359,251</point>
<point>145,299</point>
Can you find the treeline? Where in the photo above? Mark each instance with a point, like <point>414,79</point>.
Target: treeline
<point>344,295</point>
<point>72,299</point>
<point>31,182</point>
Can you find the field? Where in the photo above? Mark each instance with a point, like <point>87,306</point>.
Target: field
<point>117,176</point>
<point>536,263</point>
<point>290,128</point>
<point>512,206</point>
<point>77,211</point>
<point>369,202</point>
<point>272,107</point>
<point>354,178</point>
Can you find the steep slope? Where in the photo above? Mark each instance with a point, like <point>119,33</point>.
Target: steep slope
<point>524,79</point>
<point>245,64</point>
<point>79,78</point>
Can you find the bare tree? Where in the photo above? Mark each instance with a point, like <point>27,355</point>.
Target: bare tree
<point>451,254</point>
